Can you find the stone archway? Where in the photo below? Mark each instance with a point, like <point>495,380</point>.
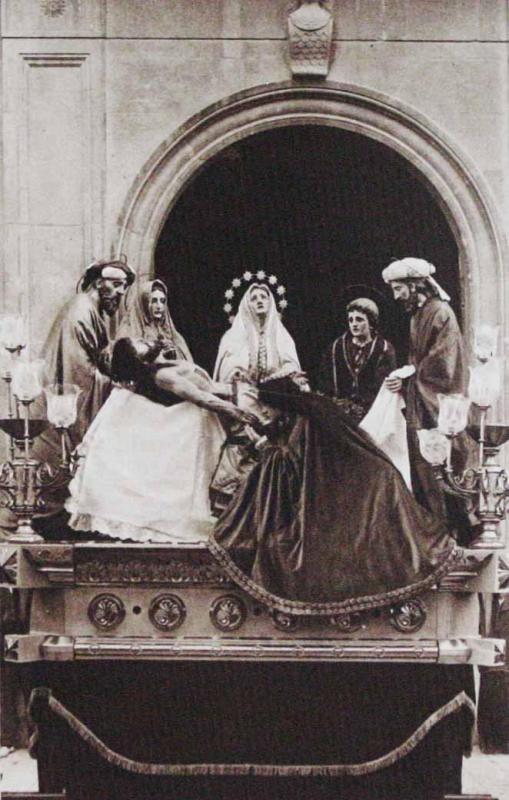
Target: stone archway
<point>454,182</point>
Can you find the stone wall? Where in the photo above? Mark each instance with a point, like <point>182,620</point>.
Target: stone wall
<point>91,89</point>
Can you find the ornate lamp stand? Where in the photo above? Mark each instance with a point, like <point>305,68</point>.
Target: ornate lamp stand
<point>24,479</point>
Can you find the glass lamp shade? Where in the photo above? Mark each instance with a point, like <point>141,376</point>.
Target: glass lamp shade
<point>5,364</point>
<point>452,413</point>
<point>62,404</point>
<point>434,446</point>
<point>26,380</point>
<point>12,331</point>
<point>486,341</point>
<point>485,383</point>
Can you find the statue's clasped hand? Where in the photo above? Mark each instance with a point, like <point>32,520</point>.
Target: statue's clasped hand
<point>239,415</point>
<point>394,384</point>
<point>394,381</point>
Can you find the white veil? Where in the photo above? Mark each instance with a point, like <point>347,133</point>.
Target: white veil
<point>138,324</point>
<point>239,346</point>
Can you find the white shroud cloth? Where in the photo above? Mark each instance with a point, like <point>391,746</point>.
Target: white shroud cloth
<point>386,425</point>
<point>146,471</point>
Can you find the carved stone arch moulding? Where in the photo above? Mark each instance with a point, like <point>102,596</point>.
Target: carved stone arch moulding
<point>450,176</point>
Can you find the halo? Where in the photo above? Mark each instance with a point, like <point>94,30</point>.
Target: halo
<point>357,290</point>
<point>248,277</point>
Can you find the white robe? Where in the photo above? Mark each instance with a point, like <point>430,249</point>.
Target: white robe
<point>146,470</point>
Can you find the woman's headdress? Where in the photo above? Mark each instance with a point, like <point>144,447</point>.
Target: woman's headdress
<point>241,345</point>
<point>271,282</point>
<point>138,322</point>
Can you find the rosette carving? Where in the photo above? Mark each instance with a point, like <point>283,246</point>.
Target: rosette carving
<point>408,617</point>
<point>106,611</point>
<point>227,613</point>
<point>167,612</point>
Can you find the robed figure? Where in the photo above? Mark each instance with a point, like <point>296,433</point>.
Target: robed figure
<point>148,317</point>
<point>355,364</point>
<point>257,346</point>
<point>77,350</point>
<point>438,354</point>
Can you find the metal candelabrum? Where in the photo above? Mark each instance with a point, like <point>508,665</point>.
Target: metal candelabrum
<point>485,487</point>
<point>24,480</point>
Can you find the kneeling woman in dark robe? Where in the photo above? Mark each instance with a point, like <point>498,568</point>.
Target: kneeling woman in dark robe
<point>325,523</point>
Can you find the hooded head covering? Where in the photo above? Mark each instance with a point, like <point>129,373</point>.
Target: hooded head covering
<point>96,270</point>
<point>242,346</point>
<point>414,269</point>
<point>138,322</point>
<point>367,307</point>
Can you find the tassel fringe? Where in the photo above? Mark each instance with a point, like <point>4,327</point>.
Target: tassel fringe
<point>351,605</point>
<point>458,702</point>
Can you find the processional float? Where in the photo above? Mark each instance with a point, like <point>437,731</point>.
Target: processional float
<point>94,602</point>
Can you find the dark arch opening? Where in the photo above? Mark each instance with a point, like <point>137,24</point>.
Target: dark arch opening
<point>321,208</point>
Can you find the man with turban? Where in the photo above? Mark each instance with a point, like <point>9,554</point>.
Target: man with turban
<point>437,352</point>
<point>77,351</point>
<point>355,365</point>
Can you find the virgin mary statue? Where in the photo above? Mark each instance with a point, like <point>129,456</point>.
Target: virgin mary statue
<point>257,345</point>
<point>255,348</point>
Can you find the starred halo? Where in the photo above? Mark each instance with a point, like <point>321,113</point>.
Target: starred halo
<point>270,281</point>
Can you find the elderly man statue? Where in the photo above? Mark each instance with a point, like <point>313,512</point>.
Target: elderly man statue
<point>437,352</point>
<point>77,351</point>
<point>77,348</point>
